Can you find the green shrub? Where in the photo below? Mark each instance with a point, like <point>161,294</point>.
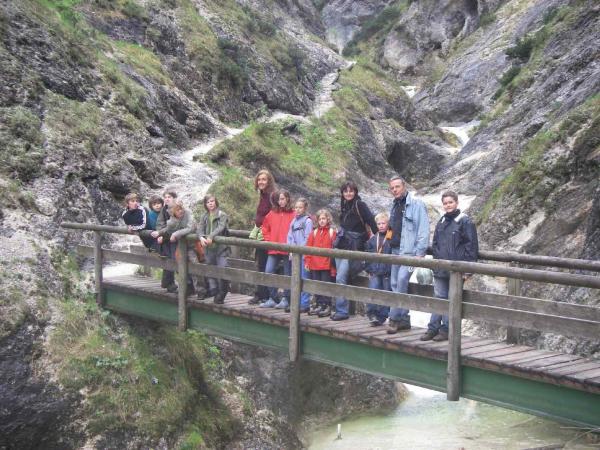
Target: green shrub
<point>522,48</point>
<point>506,79</point>
<point>487,19</point>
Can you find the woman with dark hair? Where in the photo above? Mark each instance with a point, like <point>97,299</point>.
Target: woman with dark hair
<point>264,183</point>
<point>356,224</point>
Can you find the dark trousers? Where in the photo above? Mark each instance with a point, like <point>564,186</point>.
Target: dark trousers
<point>322,275</point>
<point>260,257</point>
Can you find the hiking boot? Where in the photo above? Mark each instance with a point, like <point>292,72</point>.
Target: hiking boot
<point>338,317</point>
<point>268,304</point>
<point>254,300</point>
<point>325,311</point>
<point>283,304</point>
<point>219,299</point>
<point>172,288</point>
<point>395,326</point>
<point>191,290</point>
<point>201,293</point>
<point>212,292</point>
<point>429,335</point>
<point>314,310</point>
<point>441,336</point>
<point>304,310</point>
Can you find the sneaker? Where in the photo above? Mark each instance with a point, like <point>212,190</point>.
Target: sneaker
<point>404,326</point>
<point>283,304</point>
<point>324,312</point>
<point>441,336</point>
<point>429,335</point>
<point>314,310</point>
<point>337,317</point>
<point>304,310</point>
<point>212,292</point>
<point>268,304</point>
<point>373,320</point>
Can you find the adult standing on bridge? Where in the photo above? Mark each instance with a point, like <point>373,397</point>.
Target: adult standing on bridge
<point>455,238</point>
<point>264,183</point>
<point>356,224</point>
<point>410,237</point>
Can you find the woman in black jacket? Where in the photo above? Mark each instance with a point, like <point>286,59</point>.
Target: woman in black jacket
<point>356,224</point>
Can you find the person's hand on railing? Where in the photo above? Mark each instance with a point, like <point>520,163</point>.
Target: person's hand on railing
<point>155,235</point>
<point>159,239</point>
<point>204,241</point>
<point>173,239</point>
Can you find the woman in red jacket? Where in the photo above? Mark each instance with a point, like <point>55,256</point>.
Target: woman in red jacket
<point>275,228</point>
<point>320,266</point>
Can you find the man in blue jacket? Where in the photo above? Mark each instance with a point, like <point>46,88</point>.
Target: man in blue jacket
<point>455,238</point>
<point>410,237</point>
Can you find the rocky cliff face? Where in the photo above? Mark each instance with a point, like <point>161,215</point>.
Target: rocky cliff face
<point>101,98</point>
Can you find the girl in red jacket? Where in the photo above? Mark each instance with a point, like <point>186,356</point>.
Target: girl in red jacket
<point>275,228</point>
<point>320,266</point>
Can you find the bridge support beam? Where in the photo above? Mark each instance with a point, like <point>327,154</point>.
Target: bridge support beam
<point>182,280</point>
<point>98,268</point>
<point>453,372</point>
<point>295,293</point>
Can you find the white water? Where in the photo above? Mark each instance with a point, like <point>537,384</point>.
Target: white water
<point>461,132</point>
<point>410,91</point>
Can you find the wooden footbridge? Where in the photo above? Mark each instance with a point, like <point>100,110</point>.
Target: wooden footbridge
<point>564,387</point>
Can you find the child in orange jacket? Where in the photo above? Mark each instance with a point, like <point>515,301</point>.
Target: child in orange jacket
<point>320,267</point>
<point>275,228</point>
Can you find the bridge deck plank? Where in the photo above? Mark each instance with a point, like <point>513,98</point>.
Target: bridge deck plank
<point>489,354</point>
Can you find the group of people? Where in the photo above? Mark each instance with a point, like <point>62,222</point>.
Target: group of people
<point>402,231</point>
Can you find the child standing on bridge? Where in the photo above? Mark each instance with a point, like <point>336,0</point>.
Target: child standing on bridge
<point>379,273</point>
<point>275,229</point>
<point>300,229</point>
<point>320,267</point>
<point>454,238</point>
<point>214,222</point>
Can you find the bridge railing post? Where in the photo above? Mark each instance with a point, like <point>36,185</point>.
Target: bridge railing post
<point>98,268</point>
<point>514,288</point>
<point>182,280</point>
<point>453,373</point>
<point>295,292</point>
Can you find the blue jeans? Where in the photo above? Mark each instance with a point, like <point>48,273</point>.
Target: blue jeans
<point>399,281</point>
<point>304,296</point>
<point>342,267</point>
<point>271,267</point>
<point>438,322</point>
<point>381,282</point>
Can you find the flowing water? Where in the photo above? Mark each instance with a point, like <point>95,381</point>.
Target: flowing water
<point>426,420</point>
